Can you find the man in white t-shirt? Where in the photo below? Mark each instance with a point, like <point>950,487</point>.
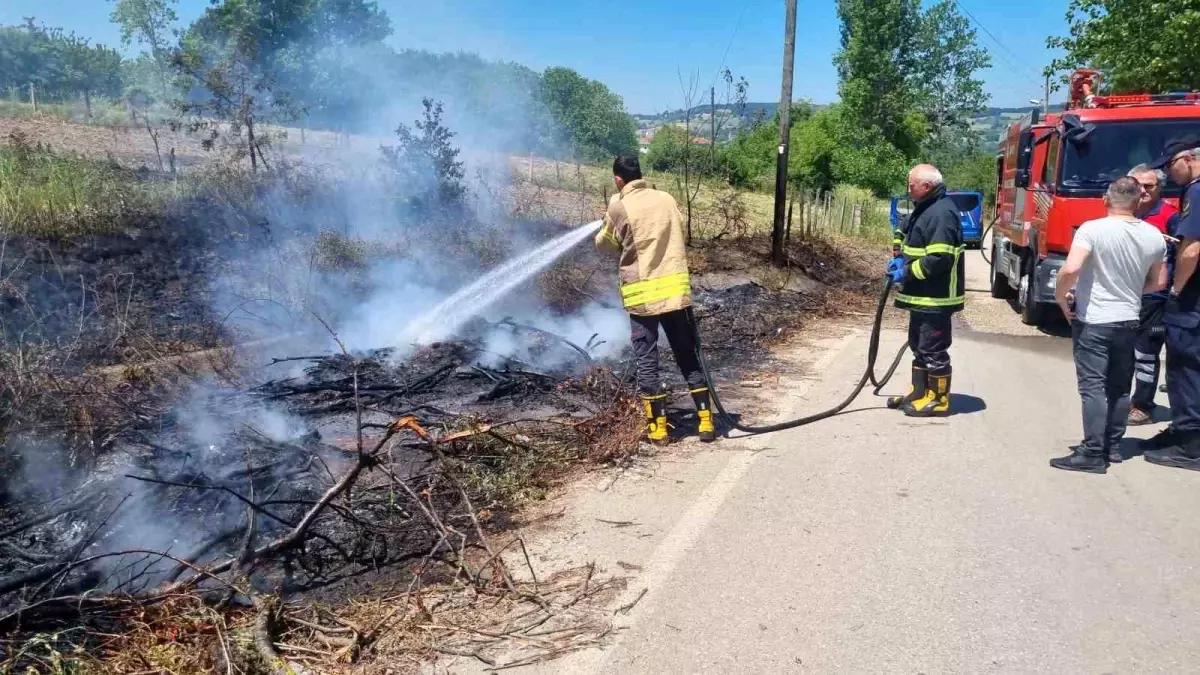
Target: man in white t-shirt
<point>1115,260</point>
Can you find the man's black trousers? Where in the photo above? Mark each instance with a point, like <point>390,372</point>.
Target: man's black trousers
<point>680,335</point>
<point>1151,336</point>
<point>1103,367</point>
<point>929,337</point>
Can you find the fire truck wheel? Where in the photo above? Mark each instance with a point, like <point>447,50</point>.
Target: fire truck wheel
<point>1033,313</point>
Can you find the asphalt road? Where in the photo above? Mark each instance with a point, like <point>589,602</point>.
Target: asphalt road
<point>876,543</point>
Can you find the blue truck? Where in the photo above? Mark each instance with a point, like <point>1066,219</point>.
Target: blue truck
<point>970,211</point>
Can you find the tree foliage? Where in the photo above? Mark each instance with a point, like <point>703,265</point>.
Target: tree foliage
<point>1139,46</point>
<point>425,163</point>
<point>667,149</point>
<point>150,23</point>
<point>943,71</point>
<point>61,65</point>
<point>831,148</point>
<point>875,66</point>
<point>591,118</point>
<point>247,61</point>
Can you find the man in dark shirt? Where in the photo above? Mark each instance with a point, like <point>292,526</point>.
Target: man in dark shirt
<point>1179,444</point>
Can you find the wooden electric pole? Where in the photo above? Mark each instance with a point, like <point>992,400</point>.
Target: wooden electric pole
<point>1046,97</point>
<point>712,109</point>
<point>778,254</point>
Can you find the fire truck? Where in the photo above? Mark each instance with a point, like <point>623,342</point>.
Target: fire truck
<point>1052,171</point>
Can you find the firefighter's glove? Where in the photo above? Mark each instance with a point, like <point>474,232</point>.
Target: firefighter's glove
<point>896,270</point>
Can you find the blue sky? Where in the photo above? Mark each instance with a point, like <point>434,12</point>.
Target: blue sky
<point>639,48</point>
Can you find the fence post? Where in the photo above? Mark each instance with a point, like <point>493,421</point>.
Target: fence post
<point>842,217</point>
<point>33,96</point>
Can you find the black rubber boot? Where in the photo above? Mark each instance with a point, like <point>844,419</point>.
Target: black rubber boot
<point>915,391</point>
<point>1185,455</point>
<point>1078,461</point>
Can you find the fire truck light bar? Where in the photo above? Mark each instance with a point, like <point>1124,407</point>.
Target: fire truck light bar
<point>1135,99</point>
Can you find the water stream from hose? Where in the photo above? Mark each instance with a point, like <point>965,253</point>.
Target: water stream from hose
<point>450,314</point>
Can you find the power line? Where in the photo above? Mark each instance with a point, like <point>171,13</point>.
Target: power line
<point>736,26</point>
<point>1011,63</point>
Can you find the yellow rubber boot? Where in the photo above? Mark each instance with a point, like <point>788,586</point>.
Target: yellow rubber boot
<point>916,390</point>
<point>706,430</point>
<point>936,401</point>
<point>656,417</point>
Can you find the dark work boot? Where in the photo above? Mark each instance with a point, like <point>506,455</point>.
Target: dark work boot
<point>1184,455</point>
<point>915,391</point>
<point>1164,439</point>
<point>1078,461</point>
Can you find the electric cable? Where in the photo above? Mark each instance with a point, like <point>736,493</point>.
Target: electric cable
<point>1017,69</point>
<point>867,376</point>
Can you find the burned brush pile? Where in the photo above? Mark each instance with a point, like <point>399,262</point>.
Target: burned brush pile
<point>238,507</point>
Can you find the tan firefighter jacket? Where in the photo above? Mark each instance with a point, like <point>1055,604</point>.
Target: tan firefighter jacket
<point>644,225</point>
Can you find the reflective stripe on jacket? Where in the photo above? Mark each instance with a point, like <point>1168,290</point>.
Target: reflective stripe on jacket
<point>645,227</point>
<point>933,254</point>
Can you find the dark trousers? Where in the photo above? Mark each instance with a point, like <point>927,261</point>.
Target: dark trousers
<point>1151,336</point>
<point>1183,369</point>
<point>644,334</point>
<point>929,337</point>
<point>1103,366</point>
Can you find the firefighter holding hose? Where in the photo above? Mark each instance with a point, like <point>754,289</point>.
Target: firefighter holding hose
<point>928,266</point>
<point>644,227</point>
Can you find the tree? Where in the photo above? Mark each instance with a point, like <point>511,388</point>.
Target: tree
<point>90,69</point>
<point>592,118</point>
<point>248,61</point>
<point>874,66</point>
<point>149,22</point>
<point>943,74</point>
<point>425,164</point>
<point>1140,47</point>
<point>749,156</point>
<point>830,148</point>
<point>667,148</point>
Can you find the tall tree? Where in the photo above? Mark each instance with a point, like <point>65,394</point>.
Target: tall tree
<point>149,22</point>
<point>1139,46</point>
<point>943,73</point>
<point>592,117</point>
<point>874,62</point>
<point>89,69</point>
<point>248,61</point>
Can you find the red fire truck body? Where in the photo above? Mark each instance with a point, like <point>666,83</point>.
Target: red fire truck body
<point>1052,173</point>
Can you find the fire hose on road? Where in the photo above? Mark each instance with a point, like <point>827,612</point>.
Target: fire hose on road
<point>867,376</point>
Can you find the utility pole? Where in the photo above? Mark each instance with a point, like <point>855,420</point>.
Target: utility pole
<point>778,254</point>
<point>1046,97</point>
<point>712,109</point>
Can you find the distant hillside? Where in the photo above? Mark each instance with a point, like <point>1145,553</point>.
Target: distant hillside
<point>989,124</point>
<point>768,111</point>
